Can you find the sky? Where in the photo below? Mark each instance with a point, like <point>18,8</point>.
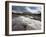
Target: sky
<point>22,9</point>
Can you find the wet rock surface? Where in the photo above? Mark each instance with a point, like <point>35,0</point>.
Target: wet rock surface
<point>26,22</point>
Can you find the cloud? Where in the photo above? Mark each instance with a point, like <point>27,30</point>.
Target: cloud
<point>22,9</point>
<point>34,10</point>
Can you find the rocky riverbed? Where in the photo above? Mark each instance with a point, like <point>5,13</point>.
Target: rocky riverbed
<point>26,22</point>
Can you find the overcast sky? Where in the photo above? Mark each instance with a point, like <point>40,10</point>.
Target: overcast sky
<point>22,9</point>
